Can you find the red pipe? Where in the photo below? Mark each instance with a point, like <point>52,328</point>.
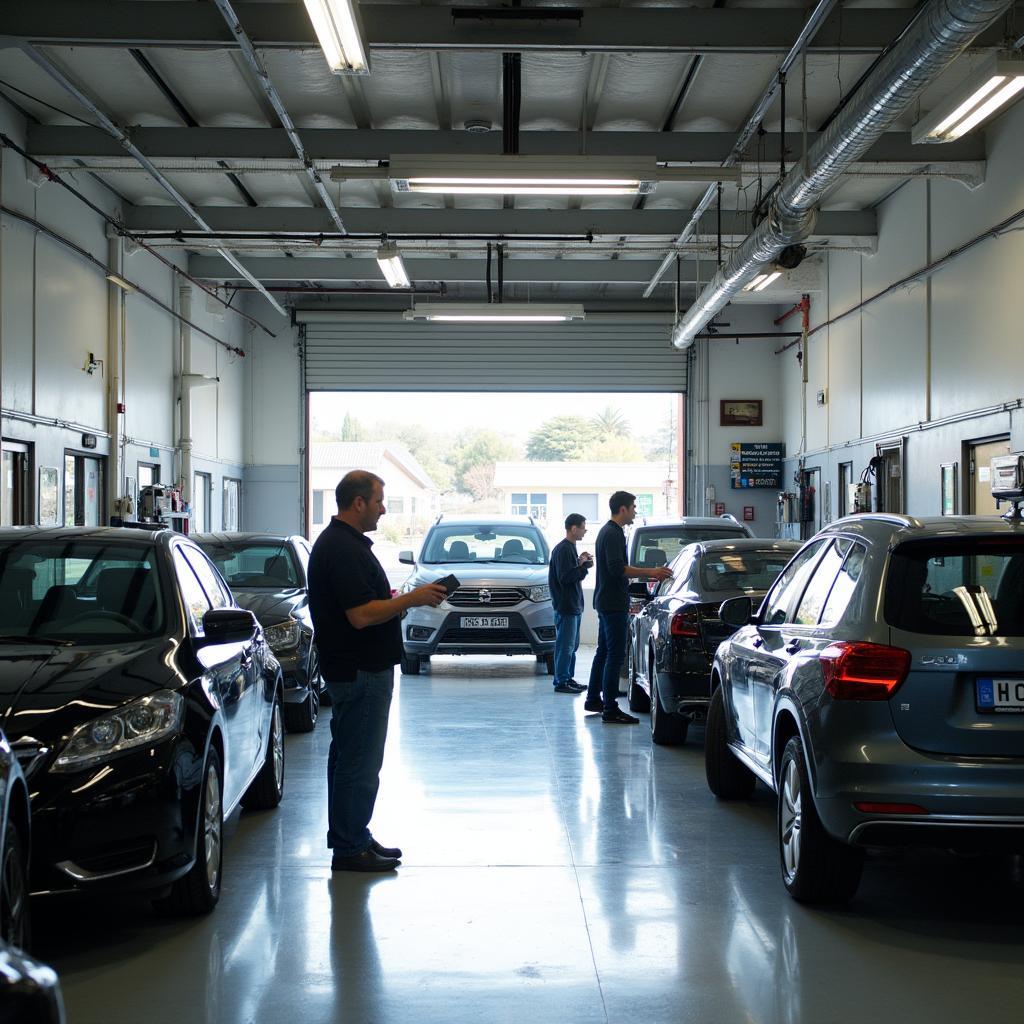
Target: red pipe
<point>804,307</point>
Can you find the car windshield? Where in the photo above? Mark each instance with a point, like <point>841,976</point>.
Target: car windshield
<point>751,569</point>
<point>262,564</point>
<point>659,547</point>
<point>481,542</point>
<point>957,587</point>
<point>83,591</point>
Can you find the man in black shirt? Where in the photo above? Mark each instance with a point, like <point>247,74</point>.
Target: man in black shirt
<point>359,639</point>
<point>611,599</point>
<point>565,575</point>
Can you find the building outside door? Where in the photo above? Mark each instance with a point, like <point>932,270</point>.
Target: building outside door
<point>14,486</point>
<point>979,472</point>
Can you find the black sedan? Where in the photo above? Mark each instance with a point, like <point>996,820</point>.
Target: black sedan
<point>143,705</point>
<point>267,575</point>
<point>673,638</point>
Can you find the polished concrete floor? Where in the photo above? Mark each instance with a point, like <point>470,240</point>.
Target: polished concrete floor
<point>556,870</point>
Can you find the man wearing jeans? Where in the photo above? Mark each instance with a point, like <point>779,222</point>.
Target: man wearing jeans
<point>611,599</point>
<point>565,576</point>
<point>358,637</point>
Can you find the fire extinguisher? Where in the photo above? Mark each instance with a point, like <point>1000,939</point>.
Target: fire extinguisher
<point>807,504</point>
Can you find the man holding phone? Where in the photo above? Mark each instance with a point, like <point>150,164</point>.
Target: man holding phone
<point>565,580</point>
<point>359,639</point>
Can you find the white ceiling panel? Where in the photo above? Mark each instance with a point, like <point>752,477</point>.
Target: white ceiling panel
<point>473,86</point>
<point>639,90</point>
<point>28,77</point>
<point>276,189</point>
<point>313,97</point>
<point>554,88</point>
<point>724,92</point>
<point>400,91</point>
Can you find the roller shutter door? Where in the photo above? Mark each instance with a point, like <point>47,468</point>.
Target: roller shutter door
<point>382,352</point>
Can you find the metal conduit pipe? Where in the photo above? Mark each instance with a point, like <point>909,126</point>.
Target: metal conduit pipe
<point>939,36</point>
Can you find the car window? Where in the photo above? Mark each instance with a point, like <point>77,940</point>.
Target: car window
<point>654,547</point>
<point>743,569</point>
<point>818,587</point>
<point>844,586</point>
<point>447,544</point>
<point>256,565</point>
<point>790,583</point>
<point>197,604</point>
<point>216,589</point>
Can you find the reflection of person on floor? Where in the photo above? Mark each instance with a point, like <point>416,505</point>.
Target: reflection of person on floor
<point>359,640</point>
<point>611,600</point>
<point>357,976</point>
<point>565,576</point>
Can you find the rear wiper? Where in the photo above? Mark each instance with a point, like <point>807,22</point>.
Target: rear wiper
<point>28,640</point>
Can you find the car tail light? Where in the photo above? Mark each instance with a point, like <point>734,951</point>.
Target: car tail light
<point>871,807</point>
<point>685,623</point>
<point>861,671</point>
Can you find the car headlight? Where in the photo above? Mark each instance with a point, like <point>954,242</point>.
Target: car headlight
<point>283,636</point>
<point>539,593</point>
<point>142,723</point>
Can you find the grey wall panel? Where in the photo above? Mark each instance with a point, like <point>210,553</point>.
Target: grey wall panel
<point>385,353</point>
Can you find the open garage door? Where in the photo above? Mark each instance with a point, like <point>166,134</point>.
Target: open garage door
<point>382,352</point>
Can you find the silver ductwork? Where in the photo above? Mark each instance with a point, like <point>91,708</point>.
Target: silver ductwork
<point>937,37</point>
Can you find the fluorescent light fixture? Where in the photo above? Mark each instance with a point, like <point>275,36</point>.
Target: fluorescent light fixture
<point>125,286</point>
<point>336,23</point>
<point>494,313</point>
<point>389,259</point>
<point>762,281</point>
<point>530,175</point>
<point>999,79</point>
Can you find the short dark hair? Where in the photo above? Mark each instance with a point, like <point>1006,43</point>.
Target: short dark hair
<point>358,483</point>
<point>574,519</point>
<point>620,498</point>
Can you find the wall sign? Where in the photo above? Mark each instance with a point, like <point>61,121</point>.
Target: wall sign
<point>88,440</point>
<point>756,464</point>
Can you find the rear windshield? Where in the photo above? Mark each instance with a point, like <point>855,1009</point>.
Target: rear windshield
<point>749,569</point>
<point>957,587</point>
<point>255,566</point>
<point>659,547</point>
<point>480,542</point>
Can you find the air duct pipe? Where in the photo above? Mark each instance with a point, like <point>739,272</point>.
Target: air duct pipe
<point>943,30</point>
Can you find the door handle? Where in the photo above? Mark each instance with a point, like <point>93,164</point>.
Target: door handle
<point>793,646</point>
<point>758,641</point>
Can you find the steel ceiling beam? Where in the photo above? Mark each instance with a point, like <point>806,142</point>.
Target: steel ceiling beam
<point>83,143</point>
<point>285,25</point>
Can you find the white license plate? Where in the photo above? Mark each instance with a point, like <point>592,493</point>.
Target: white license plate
<point>483,622</point>
<point>1000,695</point>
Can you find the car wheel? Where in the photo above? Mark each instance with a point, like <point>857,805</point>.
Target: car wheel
<point>667,728</point>
<point>199,890</point>
<point>14,909</point>
<point>410,665</point>
<point>635,696</point>
<point>302,717</point>
<point>266,790</point>
<point>728,778</point>
<point>815,867</point>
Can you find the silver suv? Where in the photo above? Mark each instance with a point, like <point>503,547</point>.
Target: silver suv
<point>879,691</point>
<point>502,605</point>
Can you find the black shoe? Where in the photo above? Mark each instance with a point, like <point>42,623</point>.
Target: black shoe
<point>593,705</point>
<point>568,688</point>
<point>573,685</point>
<point>391,852</point>
<point>368,860</point>
<point>618,717</point>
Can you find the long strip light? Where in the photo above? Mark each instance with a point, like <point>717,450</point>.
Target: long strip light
<point>981,94</point>
<point>336,23</point>
<point>759,283</point>
<point>494,313</point>
<point>389,259</point>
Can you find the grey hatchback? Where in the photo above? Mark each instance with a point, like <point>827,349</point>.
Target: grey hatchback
<point>879,691</point>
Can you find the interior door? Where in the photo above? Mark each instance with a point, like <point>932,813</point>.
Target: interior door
<point>14,485</point>
<point>980,473</point>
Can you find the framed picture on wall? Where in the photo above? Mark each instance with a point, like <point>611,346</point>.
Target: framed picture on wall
<point>49,503</point>
<point>741,412</point>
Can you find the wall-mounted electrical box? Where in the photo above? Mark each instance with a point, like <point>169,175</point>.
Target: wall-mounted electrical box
<point>822,396</point>
<point>1008,477</point>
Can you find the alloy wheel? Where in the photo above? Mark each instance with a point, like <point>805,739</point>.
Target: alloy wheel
<point>15,894</point>
<point>790,820</point>
<point>277,745</point>
<point>212,826</point>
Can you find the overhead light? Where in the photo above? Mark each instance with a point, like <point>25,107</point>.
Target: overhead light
<point>389,259</point>
<point>762,281</point>
<point>530,175</point>
<point>999,79</point>
<point>125,286</point>
<point>494,313</point>
<point>336,23</point>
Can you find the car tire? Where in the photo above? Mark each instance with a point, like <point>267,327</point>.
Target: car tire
<point>816,868</point>
<point>728,778</point>
<point>302,717</point>
<point>667,728</point>
<point>635,696</point>
<point>198,891</point>
<point>410,665</point>
<point>267,789</point>
<point>15,924</point>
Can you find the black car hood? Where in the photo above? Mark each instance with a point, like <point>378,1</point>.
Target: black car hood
<point>46,691</point>
<point>274,606</point>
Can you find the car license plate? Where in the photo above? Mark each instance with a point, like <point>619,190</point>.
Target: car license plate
<point>483,622</point>
<point>1006,695</point>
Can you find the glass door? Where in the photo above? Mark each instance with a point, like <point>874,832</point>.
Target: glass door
<point>14,485</point>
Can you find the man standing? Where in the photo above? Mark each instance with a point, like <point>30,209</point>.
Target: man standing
<point>565,576</point>
<point>611,599</point>
<point>359,639</point>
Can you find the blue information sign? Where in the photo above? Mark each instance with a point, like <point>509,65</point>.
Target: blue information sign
<point>756,464</point>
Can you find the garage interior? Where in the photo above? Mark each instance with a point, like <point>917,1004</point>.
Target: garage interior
<point>191,210</point>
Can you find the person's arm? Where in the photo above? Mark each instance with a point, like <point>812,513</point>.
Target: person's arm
<point>373,613</point>
<point>662,572</point>
<point>568,569</point>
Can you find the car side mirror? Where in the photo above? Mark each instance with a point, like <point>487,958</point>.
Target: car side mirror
<point>406,558</point>
<point>736,612</point>
<point>228,626</point>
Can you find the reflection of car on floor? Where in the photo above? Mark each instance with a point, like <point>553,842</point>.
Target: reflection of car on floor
<point>29,991</point>
<point>673,637</point>
<point>267,575</point>
<point>878,691</point>
<point>503,604</point>
<point>143,706</point>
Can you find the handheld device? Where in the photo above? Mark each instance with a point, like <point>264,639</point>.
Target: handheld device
<point>449,582</point>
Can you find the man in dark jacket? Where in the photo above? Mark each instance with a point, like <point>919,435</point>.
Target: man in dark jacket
<point>565,577</point>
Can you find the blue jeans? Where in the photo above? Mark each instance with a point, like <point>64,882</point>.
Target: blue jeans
<point>567,643</point>
<point>359,727</point>
<point>612,629</point>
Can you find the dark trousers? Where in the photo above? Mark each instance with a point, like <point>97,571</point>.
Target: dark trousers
<point>612,629</point>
